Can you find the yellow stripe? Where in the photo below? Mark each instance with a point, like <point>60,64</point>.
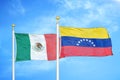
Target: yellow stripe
<point>84,32</point>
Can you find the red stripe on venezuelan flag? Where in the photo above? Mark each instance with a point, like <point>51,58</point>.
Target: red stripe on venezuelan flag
<point>85,51</point>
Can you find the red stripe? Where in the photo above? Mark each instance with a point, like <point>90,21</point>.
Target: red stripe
<point>51,46</point>
<point>85,51</point>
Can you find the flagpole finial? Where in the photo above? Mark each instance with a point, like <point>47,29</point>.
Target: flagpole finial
<point>13,25</point>
<point>57,17</point>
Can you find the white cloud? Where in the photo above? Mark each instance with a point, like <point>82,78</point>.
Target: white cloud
<point>117,0</point>
<point>72,4</point>
<point>88,5</point>
<point>78,13</point>
<point>86,13</point>
<point>16,7</point>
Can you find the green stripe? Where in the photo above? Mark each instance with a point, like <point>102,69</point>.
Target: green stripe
<point>23,47</point>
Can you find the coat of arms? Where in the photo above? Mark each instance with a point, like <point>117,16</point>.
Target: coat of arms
<point>38,47</point>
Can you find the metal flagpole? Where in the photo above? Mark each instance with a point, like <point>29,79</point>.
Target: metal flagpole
<point>57,55</point>
<point>13,54</point>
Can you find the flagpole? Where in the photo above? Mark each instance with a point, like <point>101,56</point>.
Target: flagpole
<point>13,54</point>
<point>57,55</point>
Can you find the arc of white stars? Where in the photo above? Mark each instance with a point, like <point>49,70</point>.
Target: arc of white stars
<point>87,40</point>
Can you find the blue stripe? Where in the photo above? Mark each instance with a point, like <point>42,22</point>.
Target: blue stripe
<point>85,42</point>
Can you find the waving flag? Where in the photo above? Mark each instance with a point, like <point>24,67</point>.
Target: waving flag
<point>35,47</point>
<point>85,42</point>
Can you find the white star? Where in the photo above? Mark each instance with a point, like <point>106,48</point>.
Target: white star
<point>89,40</point>
<point>83,39</point>
<point>86,39</point>
<point>94,45</point>
<point>78,41</point>
<point>77,44</point>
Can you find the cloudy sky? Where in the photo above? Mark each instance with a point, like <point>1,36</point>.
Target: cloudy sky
<point>38,17</point>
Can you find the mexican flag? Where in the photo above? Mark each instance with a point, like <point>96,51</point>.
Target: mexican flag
<point>35,47</point>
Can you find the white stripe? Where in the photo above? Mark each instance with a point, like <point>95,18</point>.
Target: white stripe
<point>38,53</point>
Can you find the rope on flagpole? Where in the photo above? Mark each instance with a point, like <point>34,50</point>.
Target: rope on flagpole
<point>13,54</point>
<point>57,51</point>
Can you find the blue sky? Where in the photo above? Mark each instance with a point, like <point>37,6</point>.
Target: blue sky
<point>38,16</point>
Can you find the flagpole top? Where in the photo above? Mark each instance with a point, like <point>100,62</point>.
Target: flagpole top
<point>57,17</point>
<point>13,25</point>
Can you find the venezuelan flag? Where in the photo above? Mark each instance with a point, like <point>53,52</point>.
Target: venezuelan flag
<point>85,41</point>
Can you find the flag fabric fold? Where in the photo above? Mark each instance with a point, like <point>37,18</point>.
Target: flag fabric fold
<point>85,42</point>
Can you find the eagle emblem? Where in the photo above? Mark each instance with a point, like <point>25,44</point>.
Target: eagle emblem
<point>38,47</point>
